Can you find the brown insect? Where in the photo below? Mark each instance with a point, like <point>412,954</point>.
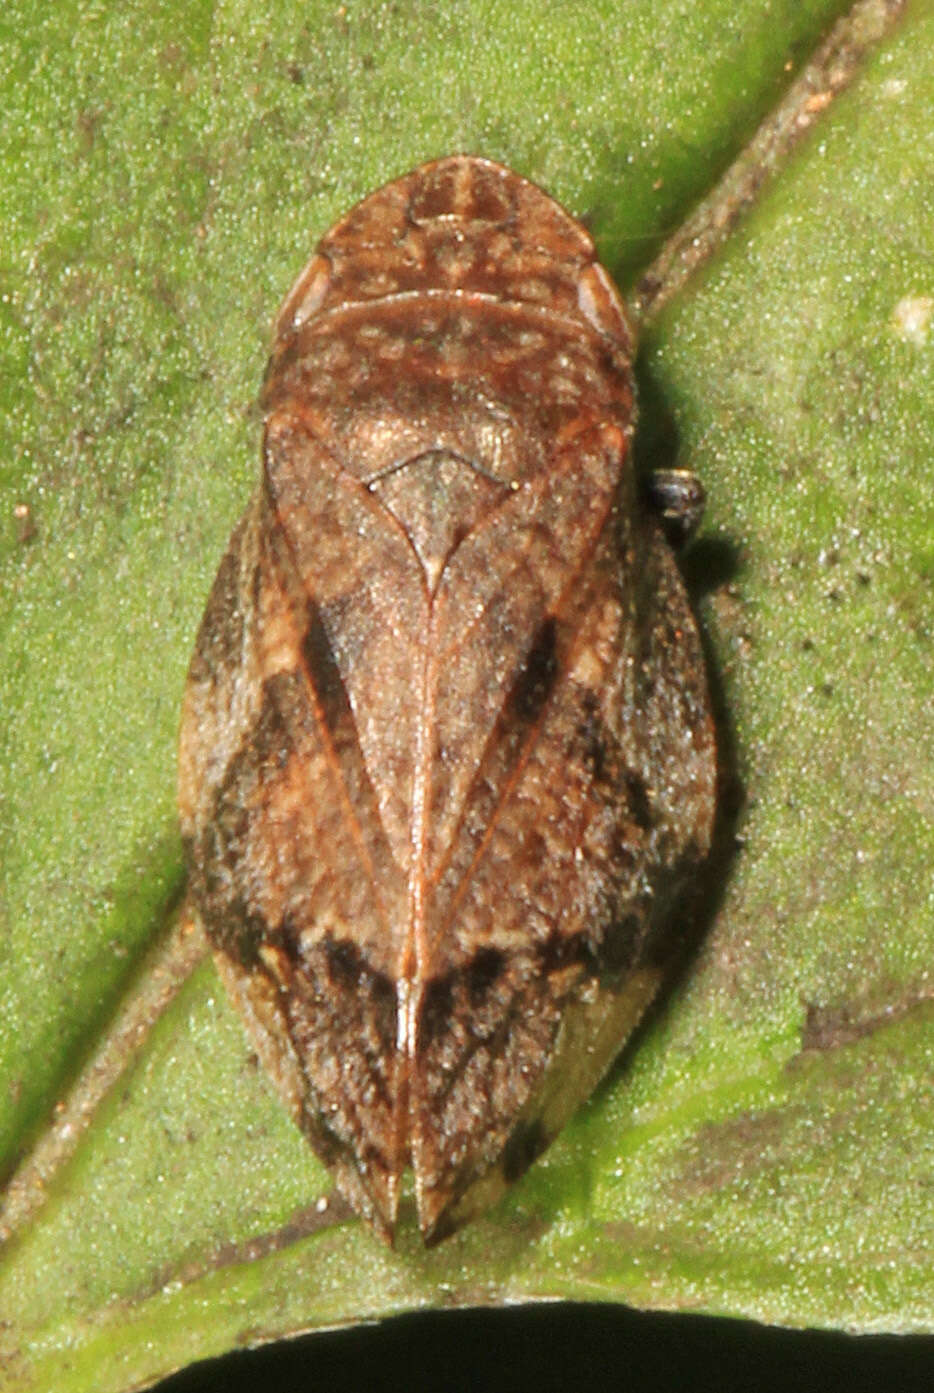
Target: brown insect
<point>446,755</point>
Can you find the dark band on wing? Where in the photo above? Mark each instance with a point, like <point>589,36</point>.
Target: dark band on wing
<point>336,995</point>
<point>321,672</point>
<point>325,676</point>
<point>467,986</point>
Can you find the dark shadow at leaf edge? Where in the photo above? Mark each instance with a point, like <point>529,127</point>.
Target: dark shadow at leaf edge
<point>558,1347</point>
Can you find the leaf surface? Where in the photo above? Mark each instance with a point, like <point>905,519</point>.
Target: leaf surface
<point>767,1147</point>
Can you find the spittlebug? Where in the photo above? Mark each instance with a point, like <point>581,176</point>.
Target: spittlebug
<point>447,759</point>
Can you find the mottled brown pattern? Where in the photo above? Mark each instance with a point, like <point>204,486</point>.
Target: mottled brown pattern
<point>447,758</point>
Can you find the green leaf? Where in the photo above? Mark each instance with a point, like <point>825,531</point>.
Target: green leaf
<point>767,1147</point>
